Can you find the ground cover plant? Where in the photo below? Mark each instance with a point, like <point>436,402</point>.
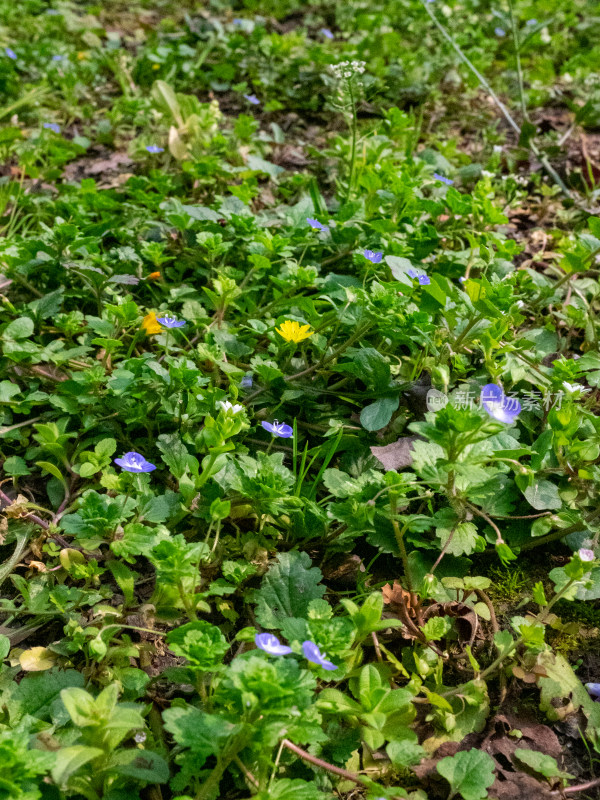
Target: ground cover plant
<point>299,391</point>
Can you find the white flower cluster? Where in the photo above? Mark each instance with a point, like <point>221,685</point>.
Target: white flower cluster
<point>346,69</point>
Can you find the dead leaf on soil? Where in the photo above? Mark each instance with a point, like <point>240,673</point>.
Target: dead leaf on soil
<point>396,455</point>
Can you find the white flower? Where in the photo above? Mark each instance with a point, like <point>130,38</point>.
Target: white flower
<point>575,388</point>
<point>585,554</point>
<point>226,406</point>
<point>346,69</point>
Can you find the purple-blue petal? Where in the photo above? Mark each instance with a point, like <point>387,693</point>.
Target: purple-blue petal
<point>269,643</point>
<point>312,653</point>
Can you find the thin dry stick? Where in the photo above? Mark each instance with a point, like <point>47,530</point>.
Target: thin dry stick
<point>444,548</point>
<point>249,776</point>
<point>318,762</point>
<point>582,787</point>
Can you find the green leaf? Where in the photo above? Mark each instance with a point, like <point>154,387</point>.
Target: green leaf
<point>200,642</point>
<point>543,494</point>
<point>8,390</point>
<point>16,466</point>
<point>406,752</point>
<point>465,539</point>
<point>51,468</point>
<point>21,328</point>
<point>143,765</point>
<point>70,759</point>
<point>540,762</point>
<point>4,646</point>
<point>176,456</point>
<point>80,706</point>
<point>470,773</point>
<point>287,589</point>
<point>436,628</point>
<point>377,415</point>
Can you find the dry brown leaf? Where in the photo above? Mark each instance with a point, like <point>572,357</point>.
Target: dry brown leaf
<point>396,455</point>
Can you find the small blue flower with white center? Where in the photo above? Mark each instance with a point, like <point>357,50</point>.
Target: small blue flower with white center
<point>443,179</point>
<point>531,22</point>
<point>424,280</point>
<point>279,429</point>
<point>271,644</point>
<point>500,32</point>
<point>373,257</point>
<point>51,126</point>
<point>326,33</point>
<point>170,322</point>
<point>498,406</point>
<point>313,654</point>
<point>412,273</point>
<point>134,462</point>
<point>57,57</point>
<point>316,225</point>
<point>154,148</point>
<point>10,53</point>
<point>252,99</point>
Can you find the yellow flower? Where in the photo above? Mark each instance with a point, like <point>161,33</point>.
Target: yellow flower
<point>154,276</point>
<point>155,66</point>
<point>294,332</point>
<point>150,325</point>
<point>82,55</point>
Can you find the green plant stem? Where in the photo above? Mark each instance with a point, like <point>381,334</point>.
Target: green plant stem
<point>209,788</point>
<point>517,44</point>
<point>353,142</point>
<point>552,537</point>
<point>505,112</point>
<point>399,534</point>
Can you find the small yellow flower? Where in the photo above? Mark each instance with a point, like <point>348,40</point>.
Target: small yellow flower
<point>294,332</point>
<point>150,325</point>
<point>82,55</point>
<point>155,66</point>
<point>154,276</point>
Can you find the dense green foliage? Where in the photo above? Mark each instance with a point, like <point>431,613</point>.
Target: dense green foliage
<point>299,433</point>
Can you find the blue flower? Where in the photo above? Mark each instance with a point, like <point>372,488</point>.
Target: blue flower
<point>252,99</point>
<point>312,653</point>
<point>10,53</point>
<point>412,273</point>
<point>271,644</point>
<point>134,462</point>
<point>154,148</point>
<point>57,57</point>
<point>246,382</point>
<point>326,33</point>
<point>443,179</point>
<point>531,22</point>
<point>424,280</point>
<point>51,126</point>
<point>593,690</point>
<point>462,279</point>
<point>238,21</point>
<point>170,322</point>
<point>374,258</point>
<point>500,32</point>
<point>279,429</point>
<point>314,223</point>
<point>497,405</point>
